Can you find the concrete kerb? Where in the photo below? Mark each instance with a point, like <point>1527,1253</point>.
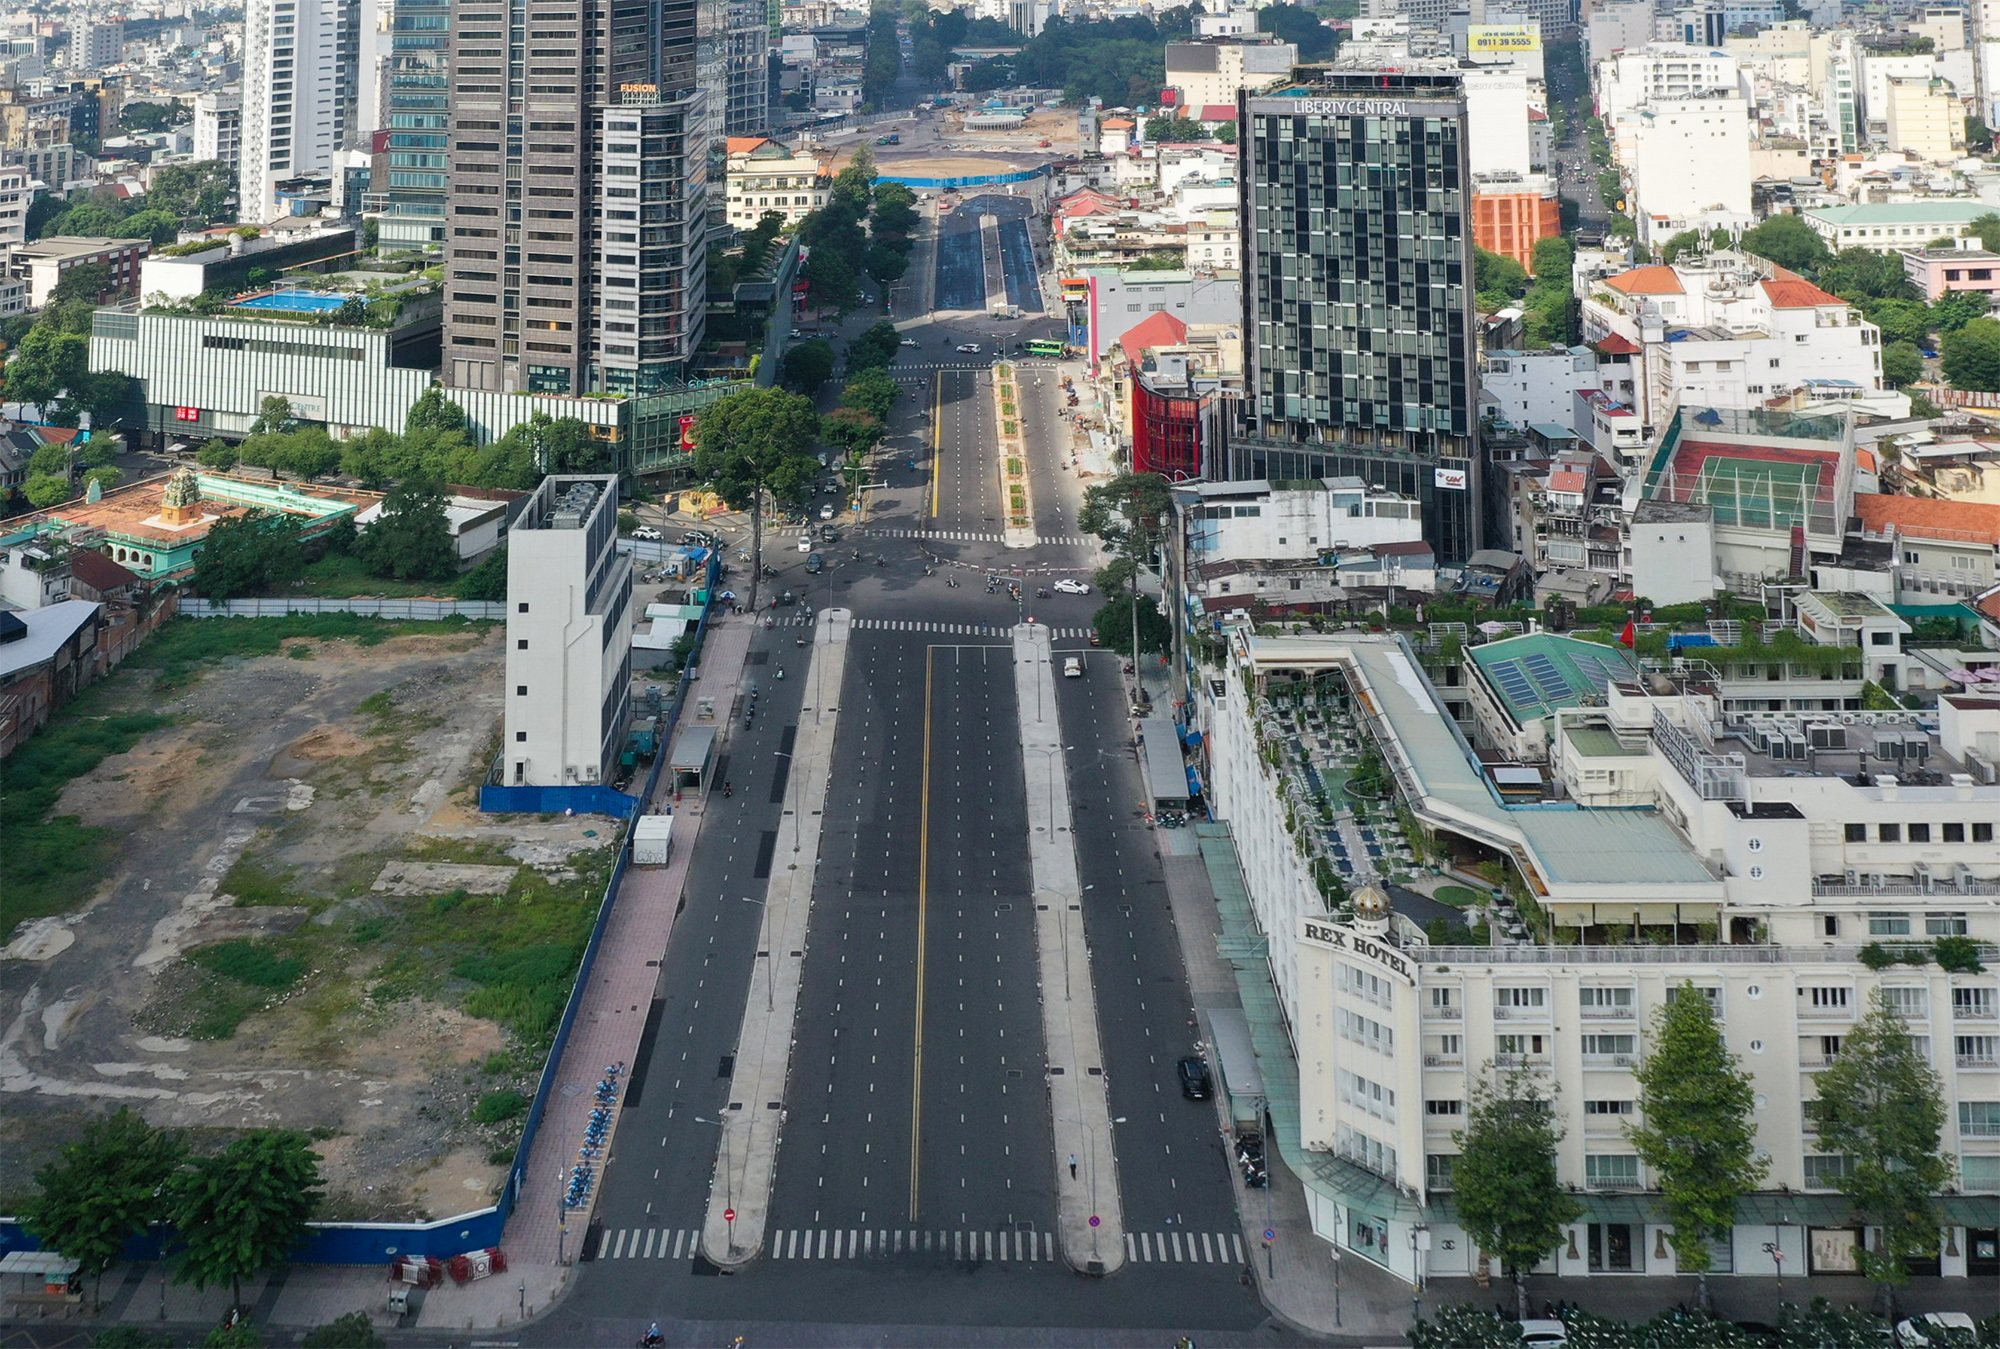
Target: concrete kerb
<point>753,1123</point>
<point>1079,1100</point>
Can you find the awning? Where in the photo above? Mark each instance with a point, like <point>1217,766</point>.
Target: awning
<point>1235,1055</point>
<point>693,749</point>
<point>1194,783</point>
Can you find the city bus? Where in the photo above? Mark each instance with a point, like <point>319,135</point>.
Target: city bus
<point>1045,347</point>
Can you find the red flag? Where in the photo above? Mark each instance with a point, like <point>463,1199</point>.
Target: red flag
<point>1629,637</point>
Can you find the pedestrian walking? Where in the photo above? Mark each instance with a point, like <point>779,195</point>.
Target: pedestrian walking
<point>1072,1166</point>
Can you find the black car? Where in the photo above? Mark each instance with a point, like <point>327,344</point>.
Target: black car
<point>1195,1083</point>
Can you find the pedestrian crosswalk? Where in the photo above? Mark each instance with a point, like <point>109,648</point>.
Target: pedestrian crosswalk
<point>1184,1248</point>
<point>956,536</point>
<point>1005,1245</point>
<point>957,629</point>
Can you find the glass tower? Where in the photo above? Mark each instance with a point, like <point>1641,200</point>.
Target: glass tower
<point>409,181</point>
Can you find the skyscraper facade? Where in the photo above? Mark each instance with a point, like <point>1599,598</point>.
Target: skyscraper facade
<point>576,213</point>
<point>407,191</point>
<point>302,91</point>
<point>1356,194</point>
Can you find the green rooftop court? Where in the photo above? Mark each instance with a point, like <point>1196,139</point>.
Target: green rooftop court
<point>1537,673</point>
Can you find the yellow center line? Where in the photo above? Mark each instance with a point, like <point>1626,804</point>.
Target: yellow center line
<point>923,897</point>
<point>937,441</point>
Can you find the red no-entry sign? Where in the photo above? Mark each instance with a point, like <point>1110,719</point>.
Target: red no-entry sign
<point>729,1215</point>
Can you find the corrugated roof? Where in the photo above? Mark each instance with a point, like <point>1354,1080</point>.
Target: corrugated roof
<point>1901,212</point>
<point>1652,280</point>
<point>1918,515</point>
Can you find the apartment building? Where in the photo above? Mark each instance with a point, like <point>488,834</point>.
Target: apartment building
<point>1886,227</point>
<point>569,647</point>
<point>303,98</point>
<point>218,126</point>
<point>766,175</point>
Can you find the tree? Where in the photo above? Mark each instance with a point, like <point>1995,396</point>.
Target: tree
<point>100,448</point>
<point>894,211</point>
<point>1299,26</point>
<point>1902,364</point>
<point>148,118</point>
<point>411,539</point>
<point>199,193</point>
<point>1955,309</point>
<point>1174,130</point>
<point>1687,241</point>
<point>87,282</point>
<point>1698,1135</point>
<point>106,478</point>
<point>851,430</point>
<point>352,1331</point>
<point>756,442</point>
<point>1123,615</point>
<point>1857,274</point>
<point>831,281</point>
<point>1786,240</point>
<point>244,1209</point>
<point>273,414</point>
<point>44,490</point>
<point>809,365</point>
<point>1900,320</point>
<point>160,227</point>
<point>487,581</point>
<point>1504,1178</point>
<point>103,1190</point>
<point>219,455</point>
<point>1987,228</point>
<point>1972,355</point>
<point>1498,274</point>
<point>873,392</point>
<point>874,349</point>
<point>236,1335</point>
<point>434,412</point>
<point>1880,1106</point>
<point>1127,513</point>
<point>885,263</point>
<point>241,554</point>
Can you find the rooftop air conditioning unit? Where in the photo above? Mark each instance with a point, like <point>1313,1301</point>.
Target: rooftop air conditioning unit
<point>1827,735</point>
<point>1853,877</point>
<point>1876,880</point>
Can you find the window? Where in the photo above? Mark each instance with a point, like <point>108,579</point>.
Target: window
<point>520,736</point>
<point>1453,1107</point>
<point>1979,1175</point>
<point>1437,1170</point>
<point>1505,999</point>
<point>1910,1003</point>
<point>1857,833</point>
<point>1444,1002</point>
<point>1614,1001</point>
<point>1976,1004</point>
<point>1889,833</point>
<point>1365,1031</point>
<point>1611,1171</point>
<point>1608,1046</point>
<point>1824,1173</point>
<point>1521,1046</point>
<point>521,608</point>
<point>520,644</point>
<point>1979,1119</point>
<point>1888,925</point>
<point>1944,925</point>
<point>1954,833</point>
<point>1982,832</point>
<point>520,690</point>
<point>1920,833</point>
<point>1619,1108</point>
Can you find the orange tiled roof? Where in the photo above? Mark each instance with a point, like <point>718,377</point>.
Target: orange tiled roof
<point>1616,344</point>
<point>1159,329</point>
<point>1653,280</point>
<point>1919,517</point>
<point>1798,295</point>
<point>743,145</point>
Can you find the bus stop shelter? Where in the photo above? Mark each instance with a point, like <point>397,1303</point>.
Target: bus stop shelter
<point>693,758</point>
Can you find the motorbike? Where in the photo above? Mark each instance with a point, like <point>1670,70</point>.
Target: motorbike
<point>781,674</point>
<point>728,789</point>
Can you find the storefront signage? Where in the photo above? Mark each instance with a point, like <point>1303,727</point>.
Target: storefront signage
<point>1452,478</point>
<point>1503,38</point>
<point>1353,107</point>
<point>187,414</point>
<point>1367,948</point>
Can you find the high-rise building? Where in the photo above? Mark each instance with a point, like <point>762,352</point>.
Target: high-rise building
<point>305,93</point>
<point>577,210</point>
<point>407,191</point>
<point>218,126</point>
<point>1356,197</point>
<point>749,111</point>
<point>96,42</point>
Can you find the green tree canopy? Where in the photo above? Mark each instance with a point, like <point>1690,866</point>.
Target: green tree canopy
<point>103,1190</point>
<point>1174,130</point>
<point>1972,355</point>
<point>304,452</point>
<point>243,554</point>
<point>1987,228</point>
<point>244,1209</point>
<point>1788,241</point>
<point>756,442</point>
<point>1687,241</point>
<point>875,348</point>
<point>1113,624</point>
<point>1698,1135</point>
<point>1900,320</point>
<point>1902,364</point>
<point>872,391</point>
<point>1857,274</point>
<point>198,193</point>
<point>1504,1178</point>
<point>434,412</point>
<point>831,280</point>
<point>1955,309</point>
<point>411,539</point>
<point>851,430</point>
<point>352,1331</point>
<point>809,365</point>
<point>1880,1106</point>
<point>148,118</point>
<point>1299,25</point>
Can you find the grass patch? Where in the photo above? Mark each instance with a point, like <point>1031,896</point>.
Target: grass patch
<point>185,643</point>
<point>342,576</point>
<point>1458,896</point>
<point>250,962</point>
<point>1013,468</point>
<point>231,981</point>
<point>255,887</point>
<point>50,866</point>
<point>498,1106</point>
<point>1011,428</point>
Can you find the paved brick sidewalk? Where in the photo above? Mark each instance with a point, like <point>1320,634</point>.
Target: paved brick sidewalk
<point>613,1014</point>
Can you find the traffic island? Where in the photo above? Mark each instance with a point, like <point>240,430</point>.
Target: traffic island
<point>1020,519</point>
<point>1089,1213</point>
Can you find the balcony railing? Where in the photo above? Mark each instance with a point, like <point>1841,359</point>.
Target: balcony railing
<point>1610,1014</point>
<point>1610,1060</point>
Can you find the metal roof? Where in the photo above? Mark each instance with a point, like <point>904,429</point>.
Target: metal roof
<point>693,748</point>
<point>1166,770</point>
<point>1537,673</point>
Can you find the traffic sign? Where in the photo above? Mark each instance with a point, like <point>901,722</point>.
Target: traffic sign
<point>1269,1235</point>
<point>729,1215</point>
<point>1095,1220</point>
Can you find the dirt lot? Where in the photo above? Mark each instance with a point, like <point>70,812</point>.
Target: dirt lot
<point>239,967</point>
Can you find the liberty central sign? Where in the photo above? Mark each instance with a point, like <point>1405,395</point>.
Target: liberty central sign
<point>1354,107</point>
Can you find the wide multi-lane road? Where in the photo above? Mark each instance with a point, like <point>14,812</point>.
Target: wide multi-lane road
<point>916,1189</point>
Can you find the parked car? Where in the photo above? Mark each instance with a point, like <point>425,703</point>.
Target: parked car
<point>1940,1328</point>
<point>1069,587</point>
<point>1544,1331</point>
<point>647,532</point>
<point>1072,668</point>
<point>1195,1082</point>
<point>909,342</point>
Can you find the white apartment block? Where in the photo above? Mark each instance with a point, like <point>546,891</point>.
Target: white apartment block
<point>1613,28</point>
<point>766,175</point>
<point>17,193</point>
<point>1212,73</point>
<point>569,646</point>
<point>1690,164</point>
<point>302,81</point>
<point>218,126</point>
<point>1725,331</point>
<point>1878,71</point>
<point>1496,110</point>
<point>1924,117</point>
<point>1888,226</point>
<point>1259,521</point>
<point>1769,870</point>
<point>1630,80</point>
<point>1526,387</point>
<point>96,44</point>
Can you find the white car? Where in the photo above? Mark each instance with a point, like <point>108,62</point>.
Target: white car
<point>1544,1332</point>
<point>805,545</point>
<point>1937,1328</point>
<point>968,348</point>
<point>1069,587</point>
<point>909,342</point>
<point>647,532</point>
<point>826,511</point>
<point>1072,668</point>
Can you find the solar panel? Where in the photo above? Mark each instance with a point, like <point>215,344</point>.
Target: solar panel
<point>1549,679</point>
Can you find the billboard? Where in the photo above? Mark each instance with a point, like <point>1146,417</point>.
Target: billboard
<point>1503,37</point>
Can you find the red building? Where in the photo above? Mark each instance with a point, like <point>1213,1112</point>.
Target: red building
<point>1170,430</point>
<point>1512,223</point>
